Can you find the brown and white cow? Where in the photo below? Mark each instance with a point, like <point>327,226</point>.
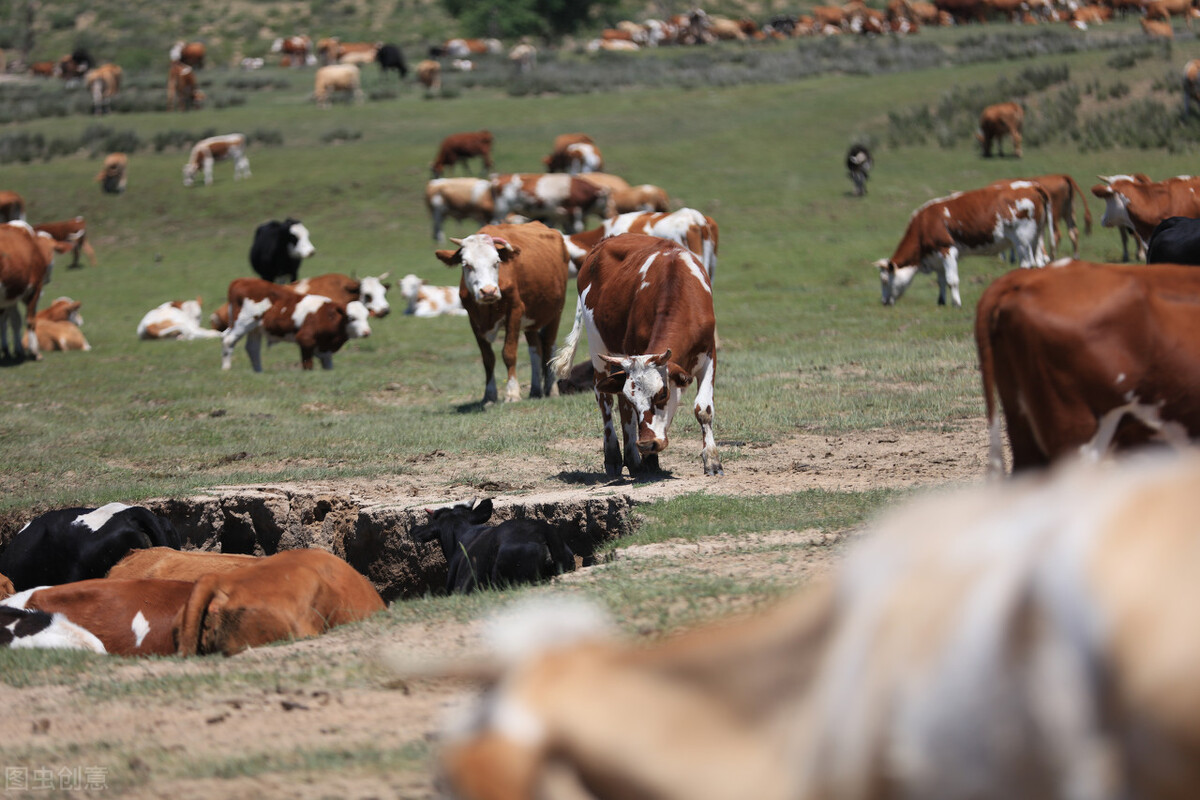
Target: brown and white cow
<point>371,291</point>
<point>73,234</point>
<point>113,176</point>
<point>26,259</point>
<point>429,75</point>
<point>983,221</point>
<point>687,226</point>
<point>317,324</point>
<point>644,197</point>
<point>458,198</point>
<point>58,327</point>
<point>174,319</point>
<point>1063,190</point>
<point>191,54</point>
<point>1136,204</point>
<point>298,50</point>
<point>575,157</point>
<point>998,121</point>
<point>460,147</point>
<point>559,198</point>
<point>290,595</point>
<point>462,48</point>
<point>555,162</point>
<point>229,146</point>
<point>103,83</point>
<point>165,563</point>
<point>514,278</point>
<point>430,301</point>
<point>1078,347</point>
<point>341,78</point>
<point>648,308</point>
<point>182,92</point>
<point>12,206</point>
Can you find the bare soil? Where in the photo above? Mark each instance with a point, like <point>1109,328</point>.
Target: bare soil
<point>321,718</point>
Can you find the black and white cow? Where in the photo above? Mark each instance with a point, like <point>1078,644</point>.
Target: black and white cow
<point>74,544</point>
<point>389,57</point>
<point>481,557</point>
<point>1175,240</point>
<point>859,163</point>
<point>278,249</point>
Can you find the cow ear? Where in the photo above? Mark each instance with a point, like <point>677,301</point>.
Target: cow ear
<point>612,383</point>
<point>661,358</point>
<point>451,258</point>
<point>482,512</point>
<point>679,376</point>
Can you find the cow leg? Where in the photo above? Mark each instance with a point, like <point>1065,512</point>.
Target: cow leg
<point>326,359</point>
<point>948,277</point>
<point>635,462</point>
<point>243,324</point>
<point>704,415</point>
<point>512,388</point>
<point>208,170</point>
<point>537,365</point>
<point>489,369</point>
<point>1016,140</point>
<point>438,220</point>
<point>254,349</point>
<point>1124,244</point>
<point>612,446</point>
<point>31,322</point>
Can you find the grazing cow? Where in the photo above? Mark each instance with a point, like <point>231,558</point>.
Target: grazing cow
<point>73,233</point>
<point>576,158</point>
<point>174,319</point>
<point>230,146</point>
<point>1157,30</point>
<point>985,221</point>
<point>278,249</point>
<point>317,324</point>
<point>181,88</point>
<point>389,57</point>
<point>479,556</point>
<point>103,83</point>
<point>12,207</point>
<point>644,197</point>
<point>458,198</point>
<point>129,617</point>
<point>648,307</point>
<point>523,57</point>
<point>336,78</point>
<point>25,628</point>
<point>163,563</point>
<point>354,52</point>
<point>112,177</point>
<point>190,54</point>
<point>687,227</point>
<point>1073,349</point>
<point>1062,190</point>
<point>44,69</point>
<point>1137,204</point>
<point>858,164</point>
<point>1191,85</point>
<point>58,327</point>
<point>289,595</point>
<point>514,278</point>
<point>998,121</point>
<point>430,301</point>
<point>1176,240</point>
<point>25,262</point>
<point>463,146</point>
<point>73,544</point>
<point>429,75</point>
<point>556,197</point>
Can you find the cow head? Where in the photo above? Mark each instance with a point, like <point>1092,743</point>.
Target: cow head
<point>893,280</point>
<point>357,326</point>
<point>373,294</point>
<point>410,285</point>
<point>652,386</point>
<point>480,256</point>
<point>446,524</point>
<point>189,173</point>
<point>1116,208</point>
<point>299,245</point>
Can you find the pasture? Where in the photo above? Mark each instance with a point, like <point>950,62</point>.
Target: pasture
<point>810,364</point>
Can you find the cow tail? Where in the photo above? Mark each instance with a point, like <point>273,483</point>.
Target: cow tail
<point>189,622</point>
<point>561,363</point>
<point>987,369</point>
<point>1087,212</point>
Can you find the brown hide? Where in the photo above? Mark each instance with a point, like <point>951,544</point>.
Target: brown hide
<point>998,121</point>
<point>107,608</point>
<point>460,147</point>
<point>164,563</point>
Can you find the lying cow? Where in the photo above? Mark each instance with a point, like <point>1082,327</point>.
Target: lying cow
<point>58,327</point>
<point>174,319</point>
<point>72,234</point>
<point>480,556</point>
<point>290,595</point>
<point>163,563</point>
<point>317,324</point>
<point>229,147</point>
<point>459,199</point>
<point>1076,349</point>
<point>26,628</point>
<point>25,262</point>
<point>985,221</point>
<point>73,544</point>
<point>430,301</point>
<point>1136,203</point>
<point>278,249</point>
<point>459,148</point>
<point>648,307</point>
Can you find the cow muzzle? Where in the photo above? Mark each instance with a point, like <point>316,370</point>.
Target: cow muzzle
<point>488,294</point>
<point>649,447</point>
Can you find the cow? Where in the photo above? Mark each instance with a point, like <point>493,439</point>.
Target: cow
<point>278,249</point>
<point>429,75</point>
<point>174,319</point>
<point>558,160</point>
<point>74,544</point>
<point>1137,204</point>
<point>297,50</point>
<point>342,78</point>
<point>163,563</point>
<point>1157,30</point>
<point>980,222</point>
<point>514,278</point>
<point>351,52</point>
<point>317,324</point>
<point>25,628</point>
<point>12,207</point>
<point>44,69</point>
<point>229,146</point>
<point>1191,85</point>
<point>479,556</point>
<point>103,83</point>
<point>458,198</point>
<point>73,233</point>
<point>1082,347</point>
<point>190,54</point>
<point>462,48</point>
<point>289,595</point>
<point>129,617</point>
<point>58,327</point>
<point>112,177</point>
<point>389,57</point>
<point>687,226</point>
<point>996,122</point>
<point>576,158</point>
<point>1176,240</point>
<point>556,197</point>
<point>523,57</point>
<point>1062,190</point>
<point>181,88</point>
<point>459,147</point>
<point>858,164</point>
<point>370,291</point>
<point>643,197</point>
<point>647,304</point>
<point>74,66</point>
<point>430,301</point>
<point>26,259</point>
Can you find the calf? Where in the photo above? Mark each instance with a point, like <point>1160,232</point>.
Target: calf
<point>1135,203</point>
<point>174,319</point>
<point>290,595</point>
<point>858,164</point>
<point>58,327</point>
<point>514,277</point>
<point>429,301</point>
<point>481,557</point>
<point>648,307</point>
<point>22,628</point>
<point>25,262</point>
<point>12,207</point>
<point>129,617</point>
<point>317,324</point>
<point>429,75</point>
<point>460,147</point>
<point>458,198</point>
<point>231,147</point>
<point>73,234</point>
<point>73,544</point>
<point>558,198</point>
<point>112,177</point>
<point>163,563</point>
<point>998,121</point>
<point>278,249</point>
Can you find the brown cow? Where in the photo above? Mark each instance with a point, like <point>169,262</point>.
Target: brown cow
<point>1072,349</point>
<point>644,197</point>
<point>687,227</point>
<point>290,595</point>
<point>165,563</point>
<point>998,121</point>
<point>458,198</point>
<point>58,327</point>
<point>556,197</point>
<point>1135,203</point>
<point>463,146</point>
<point>1165,9</point>
<point>103,83</point>
<point>12,207</point>
<point>73,233</point>
<point>181,88</point>
<point>296,51</point>
<point>555,162</point>
<point>514,278</point>
<point>25,262</point>
<point>429,75</point>
<point>44,69</point>
<point>651,331</point>
<point>190,54</point>
<point>112,177</point>
<point>1063,190</point>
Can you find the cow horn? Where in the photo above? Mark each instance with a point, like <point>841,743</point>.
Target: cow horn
<point>456,241</point>
<point>610,359</point>
<point>384,276</point>
<point>500,243</point>
<point>1105,179</point>
<point>662,358</point>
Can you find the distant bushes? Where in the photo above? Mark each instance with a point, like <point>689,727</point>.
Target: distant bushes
<point>98,139</point>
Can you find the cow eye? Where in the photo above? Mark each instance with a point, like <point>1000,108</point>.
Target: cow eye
<point>661,396</point>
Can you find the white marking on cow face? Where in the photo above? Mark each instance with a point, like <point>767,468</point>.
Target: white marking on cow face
<point>410,286</point>
<point>95,520</point>
<point>481,267</point>
<point>307,305</point>
<point>893,282</point>
<point>1120,379</point>
<point>357,326</point>
<point>652,396</point>
<point>303,246</point>
<point>373,294</point>
<point>1116,211</point>
<point>140,627</point>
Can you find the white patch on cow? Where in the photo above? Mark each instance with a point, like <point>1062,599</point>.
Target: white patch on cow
<point>302,286</point>
<point>95,520</point>
<point>307,305</point>
<point>946,213</point>
<point>357,326</point>
<point>62,634</point>
<point>512,720</point>
<point>643,285</point>
<point>21,599</point>
<point>303,247</point>
<point>491,335</point>
<point>1021,185</point>
<point>1120,378</point>
<point>696,268</point>
<point>645,268</point>
<point>527,323</point>
<point>1062,262</point>
<point>140,628</point>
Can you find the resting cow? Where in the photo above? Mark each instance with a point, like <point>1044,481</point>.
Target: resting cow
<point>514,278</point>
<point>429,301</point>
<point>58,327</point>
<point>460,147</point>
<point>73,544</point>
<point>231,147</point>
<point>479,556</point>
<point>174,319</point>
<point>648,307</point>
<point>998,121</point>
<point>1137,204</point>
<point>25,629</point>
<point>278,249</point>
<point>163,563</point>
